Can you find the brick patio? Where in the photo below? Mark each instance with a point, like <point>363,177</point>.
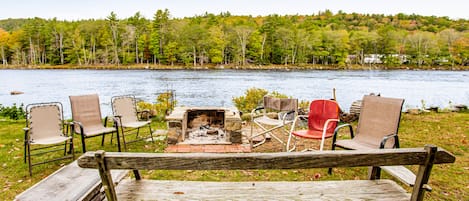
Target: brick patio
<point>186,148</point>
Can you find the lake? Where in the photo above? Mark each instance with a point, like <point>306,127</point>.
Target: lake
<point>218,87</point>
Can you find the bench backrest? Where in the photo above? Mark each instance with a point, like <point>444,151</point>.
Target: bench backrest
<point>424,157</point>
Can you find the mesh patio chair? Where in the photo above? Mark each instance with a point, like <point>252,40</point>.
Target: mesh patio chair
<point>125,111</point>
<point>377,127</point>
<point>287,109</point>
<point>322,118</point>
<point>87,120</point>
<point>45,129</point>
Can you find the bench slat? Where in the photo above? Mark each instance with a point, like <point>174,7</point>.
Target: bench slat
<point>282,160</point>
<point>318,190</point>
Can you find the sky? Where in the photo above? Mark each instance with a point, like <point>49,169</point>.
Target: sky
<point>100,9</point>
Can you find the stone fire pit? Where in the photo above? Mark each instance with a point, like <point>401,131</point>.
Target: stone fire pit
<point>204,125</point>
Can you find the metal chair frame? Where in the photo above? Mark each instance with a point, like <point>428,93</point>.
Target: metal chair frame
<point>46,148</point>
<point>122,125</point>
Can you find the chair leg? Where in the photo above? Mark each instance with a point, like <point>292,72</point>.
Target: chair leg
<point>25,144</point>
<point>102,140</point>
<point>123,139</point>
<point>65,148</point>
<point>72,149</point>
<point>151,133</point>
<point>112,136</point>
<point>330,169</point>
<point>83,146</point>
<point>29,160</point>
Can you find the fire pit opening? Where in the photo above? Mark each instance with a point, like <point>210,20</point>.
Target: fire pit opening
<point>204,125</point>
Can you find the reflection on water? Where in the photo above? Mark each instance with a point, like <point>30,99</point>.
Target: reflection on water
<point>218,87</point>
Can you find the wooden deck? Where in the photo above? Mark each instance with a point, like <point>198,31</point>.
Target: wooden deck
<point>318,190</point>
<point>69,183</point>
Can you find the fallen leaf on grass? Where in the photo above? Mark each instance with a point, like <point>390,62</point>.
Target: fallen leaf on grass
<point>317,176</point>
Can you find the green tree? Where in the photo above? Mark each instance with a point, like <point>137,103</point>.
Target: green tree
<point>159,33</point>
<point>114,27</point>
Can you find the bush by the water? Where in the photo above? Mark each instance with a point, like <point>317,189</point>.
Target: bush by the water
<point>253,98</point>
<point>13,112</point>
<point>165,103</point>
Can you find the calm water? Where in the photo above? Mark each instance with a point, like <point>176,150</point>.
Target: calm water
<point>218,87</point>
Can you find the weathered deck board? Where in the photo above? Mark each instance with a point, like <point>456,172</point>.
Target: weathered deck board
<point>402,173</point>
<point>68,183</point>
<point>319,190</point>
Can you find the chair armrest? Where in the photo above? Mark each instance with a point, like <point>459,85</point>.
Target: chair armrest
<point>116,119</point>
<point>324,129</point>
<point>284,117</point>
<point>26,136</point>
<point>253,112</point>
<point>72,124</point>
<point>298,117</point>
<point>336,130</point>
<point>386,138</point>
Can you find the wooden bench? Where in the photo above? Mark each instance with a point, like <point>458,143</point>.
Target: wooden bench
<point>69,183</point>
<point>263,190</point>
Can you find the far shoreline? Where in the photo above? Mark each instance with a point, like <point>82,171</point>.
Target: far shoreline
<point>233,67</point>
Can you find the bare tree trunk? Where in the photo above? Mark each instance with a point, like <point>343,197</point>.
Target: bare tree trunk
<point>262,46</point>
<point>32,54</point>
<point>136,51</point>
<point>4,61</point>
<point>61,45</point>
<point>242,42</point>
<point>23,57</point>
<point>294,50</point>
<point>93,50</point>
<point>194,55</point>
<point>77,53</point>
<point>84,54</point>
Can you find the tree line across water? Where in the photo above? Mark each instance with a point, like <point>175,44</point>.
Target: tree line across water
<point>324,39</point>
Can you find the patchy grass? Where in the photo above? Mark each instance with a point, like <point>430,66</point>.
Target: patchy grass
<point>447,130</point>
<point>14,175</point>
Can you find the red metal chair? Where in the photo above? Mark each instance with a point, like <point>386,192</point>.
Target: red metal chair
<point>323,118</point>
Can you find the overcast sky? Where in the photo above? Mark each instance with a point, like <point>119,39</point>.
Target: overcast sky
<point>99,9</point>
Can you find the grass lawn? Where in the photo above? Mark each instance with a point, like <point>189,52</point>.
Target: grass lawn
<point>447,130</point>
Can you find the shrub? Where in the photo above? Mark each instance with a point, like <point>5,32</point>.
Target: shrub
<point>253,98</point>
<point>164,104</point>
<point>13,112</point>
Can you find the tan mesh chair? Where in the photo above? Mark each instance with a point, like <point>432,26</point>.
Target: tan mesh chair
<point>87,120</point>
<point>46,129</point>
<point>287,109</point>
<point>124,109</point>
<point>377,127</point>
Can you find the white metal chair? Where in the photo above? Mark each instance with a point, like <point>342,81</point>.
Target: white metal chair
<point>287,107</point>
<point>45,128</point>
